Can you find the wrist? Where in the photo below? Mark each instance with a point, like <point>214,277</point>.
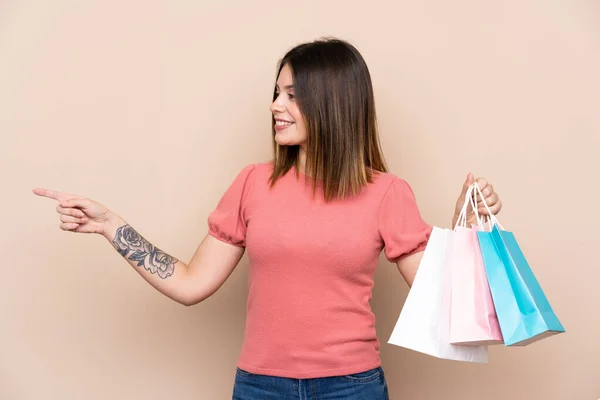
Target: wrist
<point>113,222</point>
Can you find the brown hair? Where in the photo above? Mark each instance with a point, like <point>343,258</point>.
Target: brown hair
<point>334,92</point>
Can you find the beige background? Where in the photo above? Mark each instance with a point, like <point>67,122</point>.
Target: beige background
<point>152,107</point>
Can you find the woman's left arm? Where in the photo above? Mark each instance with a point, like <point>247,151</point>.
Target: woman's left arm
<point>408,265</point>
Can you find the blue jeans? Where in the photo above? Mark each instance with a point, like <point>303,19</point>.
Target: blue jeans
<point>368,385</point>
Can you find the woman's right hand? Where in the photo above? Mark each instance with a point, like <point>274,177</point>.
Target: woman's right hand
<point>78,214</point>
<point>211,265</point>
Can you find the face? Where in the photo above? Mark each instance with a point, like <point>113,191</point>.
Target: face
<point>290,129</point>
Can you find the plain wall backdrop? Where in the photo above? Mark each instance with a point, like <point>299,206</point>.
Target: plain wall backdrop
<point>152,107</point>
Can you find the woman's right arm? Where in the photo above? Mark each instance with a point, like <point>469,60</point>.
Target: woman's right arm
<point>187,284</point>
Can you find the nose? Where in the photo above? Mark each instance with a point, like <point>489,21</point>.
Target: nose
<point>276,106</point>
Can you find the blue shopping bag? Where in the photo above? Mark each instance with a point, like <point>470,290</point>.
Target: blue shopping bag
<point>524,313</point>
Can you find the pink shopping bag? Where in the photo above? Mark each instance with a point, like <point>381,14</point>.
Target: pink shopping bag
<point>424,322</point>
<point>473,319</point>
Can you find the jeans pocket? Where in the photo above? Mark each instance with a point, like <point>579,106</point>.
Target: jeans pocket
<point>364,377</point>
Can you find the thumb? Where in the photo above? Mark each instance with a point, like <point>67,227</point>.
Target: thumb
<point>468,182</point>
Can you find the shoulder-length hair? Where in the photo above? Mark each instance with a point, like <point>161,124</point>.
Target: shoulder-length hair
<point>334,93</point>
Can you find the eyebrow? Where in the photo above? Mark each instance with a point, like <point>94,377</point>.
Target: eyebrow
<point>285,87</point>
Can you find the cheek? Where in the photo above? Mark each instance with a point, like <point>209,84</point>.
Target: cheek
<point>295,112</point>
<point>301,130</point>
<point>297,115</point>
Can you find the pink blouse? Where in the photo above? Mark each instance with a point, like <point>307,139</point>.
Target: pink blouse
<point>311,268</point>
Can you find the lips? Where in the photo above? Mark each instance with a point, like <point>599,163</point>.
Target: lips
<point>281,124</point>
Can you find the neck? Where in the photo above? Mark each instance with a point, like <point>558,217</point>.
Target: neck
<point>302,160</point>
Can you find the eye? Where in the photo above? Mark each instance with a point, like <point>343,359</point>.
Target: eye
<point>292,96</point>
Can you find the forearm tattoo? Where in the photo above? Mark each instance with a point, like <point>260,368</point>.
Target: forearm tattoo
<point>134,247</point>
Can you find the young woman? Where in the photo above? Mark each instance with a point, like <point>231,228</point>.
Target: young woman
<point>314,222</point>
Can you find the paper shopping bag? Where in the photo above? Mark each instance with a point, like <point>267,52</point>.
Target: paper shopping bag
<point>524,312</point>
<point>424,322</point>
<point>473,319</point>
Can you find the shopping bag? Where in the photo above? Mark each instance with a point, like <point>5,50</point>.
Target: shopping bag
<point>424,322</point>
<point>473,319</point>
<point>524,312</point>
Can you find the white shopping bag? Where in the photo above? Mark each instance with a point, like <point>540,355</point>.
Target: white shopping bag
<point>424,322</point>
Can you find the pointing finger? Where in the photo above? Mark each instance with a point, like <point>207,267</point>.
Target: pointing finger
<point>52,194</point>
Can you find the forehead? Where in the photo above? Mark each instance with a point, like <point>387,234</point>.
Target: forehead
<point>285,76</point>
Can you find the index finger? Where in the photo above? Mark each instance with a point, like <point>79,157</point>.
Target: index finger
<point>482,183</point>
<point>52,194</point>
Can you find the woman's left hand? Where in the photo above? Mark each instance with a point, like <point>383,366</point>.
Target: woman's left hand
<point>491,198</point>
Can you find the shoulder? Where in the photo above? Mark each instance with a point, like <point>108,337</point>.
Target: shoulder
<point>264,168</point>
<point>256,169</point>
<point>385,182</point>
<point>255,173</point>
<point>261,172</point>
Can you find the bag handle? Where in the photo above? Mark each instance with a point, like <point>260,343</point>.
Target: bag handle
<point>463,211</point>
<point>492,220</point>
<point>473,200</point>
<point>469,200</point>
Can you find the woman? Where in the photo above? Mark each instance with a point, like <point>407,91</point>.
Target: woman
<point>314,221</point>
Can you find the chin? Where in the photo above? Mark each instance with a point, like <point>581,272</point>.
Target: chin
<point>288,141</point>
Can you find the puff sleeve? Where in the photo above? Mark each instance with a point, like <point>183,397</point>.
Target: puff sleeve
<point>401,227</point>
<point>228,222</point>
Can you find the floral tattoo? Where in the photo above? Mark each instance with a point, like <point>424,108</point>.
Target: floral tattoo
<point>133,246</point>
